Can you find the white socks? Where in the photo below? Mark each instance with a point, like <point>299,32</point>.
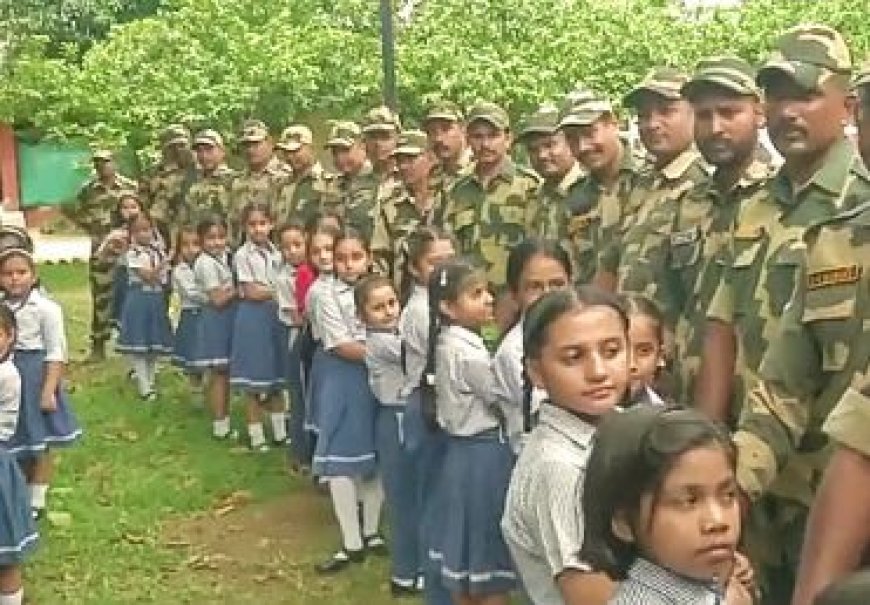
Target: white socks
<point>38,492</point>
<point>371,495</point>
<point>15,598</point>
<point>255,432</point>
<point>221,428</point>
<point>145,372</point>
<point>279,426</point>
<point>344,500</point>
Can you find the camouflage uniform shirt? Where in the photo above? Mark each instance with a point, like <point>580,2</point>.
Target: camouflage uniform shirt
<point>262,186</point>
<point>96,203</point>
<point>209,194</point>
<point>163,190</point>
<point>356,198</point>
<point>301,196</point>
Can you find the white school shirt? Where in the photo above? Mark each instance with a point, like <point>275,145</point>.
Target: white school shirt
<point>414,332</point>
<point>285,292</point>
<point>256,264</point>
<point>650,584</point>
<point>543,518</point>
<point>211,272</point>
<point>464,383</point>
<point>321,288</point>
<point>10,399</point>
<point>384,365</point>
<point>190,296</point>
<point>336,316</point>
<point>145,257</point>
<point>40,326</point>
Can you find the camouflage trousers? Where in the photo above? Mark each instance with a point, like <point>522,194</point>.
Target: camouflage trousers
<point>772,537</point>
<point>100,278</point>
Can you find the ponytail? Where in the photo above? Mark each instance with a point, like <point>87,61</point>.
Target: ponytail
<point>527,400</point>
<point>437,286</point>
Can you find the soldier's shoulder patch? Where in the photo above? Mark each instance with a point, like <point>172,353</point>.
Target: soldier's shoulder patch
<point>689,236</point>
<point>749,232</point>
<point>835,276</point>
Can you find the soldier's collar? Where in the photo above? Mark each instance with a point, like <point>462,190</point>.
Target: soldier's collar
<point>506,171</point>
<point>571,177</point>
<point>677,167</point>
<point>840,160</point>
<point>761,169</point>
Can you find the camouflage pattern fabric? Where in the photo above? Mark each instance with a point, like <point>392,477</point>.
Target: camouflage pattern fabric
<point>163,190</point>
<point>356,198</point>
<point>262,186</point>
<point>489,219</point>
<point>302,196</point>
<point>209,194</point>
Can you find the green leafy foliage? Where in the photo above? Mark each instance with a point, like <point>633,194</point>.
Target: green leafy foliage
<point>215,63</point>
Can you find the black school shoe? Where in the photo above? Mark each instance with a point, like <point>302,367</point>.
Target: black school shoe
<point>37,514</point>
<point>401,591</point>
<point>376,545</point>
<point>340,561</point>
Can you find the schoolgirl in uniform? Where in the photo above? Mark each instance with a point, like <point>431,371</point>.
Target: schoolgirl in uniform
<point>577,352</point>
<point>114,248</point>
<point>145,330</point>
<point>18,536</point>
<point>660,501</point>
<point>647,336</point>
<point>427,248</point>
<point>293,246</point>
<point>378,306</point>
<point>258,349</point>
<point>213,275</point>
<point>190,299</point>
<point>45,419</point>
<point>534,267</point>
<point>475,563</point>
<point>344,456</point>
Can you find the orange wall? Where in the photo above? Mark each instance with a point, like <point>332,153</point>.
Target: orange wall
<point>8,168</point>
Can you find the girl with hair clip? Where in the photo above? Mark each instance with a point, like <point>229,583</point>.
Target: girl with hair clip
<point>474,561</point>
<point>660,501</point>
<point>258,350</point>
<point>344,457</point>
<point>576,350</point>
<point>145,330</point>
<point>213,276</point>
<point>191,300</point>
<point>18,536</point>
<point>534,268</point>
<point>646,333</point>
<point>45,419</point>
<point>114,247</point>
<point>428,247</point>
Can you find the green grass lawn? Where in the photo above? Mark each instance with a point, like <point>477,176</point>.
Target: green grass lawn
<point>147,508</point>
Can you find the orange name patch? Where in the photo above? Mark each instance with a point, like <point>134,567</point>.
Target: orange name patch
<point>834,277</point>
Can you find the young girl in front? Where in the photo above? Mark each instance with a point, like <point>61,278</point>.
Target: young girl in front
<point>213,275</point>
<point>378,306</point>
<point>114,247</point>
<point>45,419</point>
<point>190,299</point>
<point>577,352</point>
<point>145,330</point>
<point>660,501</point>
<point>534,267</point>
<point>475,563</point>
<point>257,352</point>
<point>646,333</point>
<point>18,534</point>
<point>292,243</point>
<point>345,453</point>
<point>428,247</point>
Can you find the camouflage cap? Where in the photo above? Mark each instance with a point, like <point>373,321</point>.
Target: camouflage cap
<point>809,55</point>
<point>443,110</point>
<point>411,142</point>
<point>294,137</point>
<point>544,120</point>
<point>343,134</point>
<point>491,113</point>
<point>862,78</point>
<point>103,155</point>
<point>174,134</point>
<point>253,131</point>
<point>209,137</point>
<point>381,119</point>
<point>585,112</point>
<point>731,73</point>
<point>664,82</point>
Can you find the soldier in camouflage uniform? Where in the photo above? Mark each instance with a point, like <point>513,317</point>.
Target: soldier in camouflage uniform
<point>380,130</point>
<point>262,178</point>
<point>637,252</point>
<point>490,208</point>
<point>445,130</point>
<point>211,191</point>
<point>862,117</point>
<point>412,205</point>
<point>728,116</point>
<point>354,191</point>
<point>552,159</point>
<point>163,188</point>
<point>301,196</point>
<point>595,208</point>
<point>96,201</point>
<point>779,442</point>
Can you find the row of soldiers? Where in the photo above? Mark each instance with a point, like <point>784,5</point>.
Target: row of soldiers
<point>760,269</point>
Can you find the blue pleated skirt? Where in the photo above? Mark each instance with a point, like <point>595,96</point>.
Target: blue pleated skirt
<point>258,349</point>
<point>120,285</point>
<point>313,383</point>
<point>185,337</point>
<point>470,497</point>
<point>346,418</point>
<point>145,324</point>
<point>214,337</point>
<point>37,430</point>
<point>18,535</point>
